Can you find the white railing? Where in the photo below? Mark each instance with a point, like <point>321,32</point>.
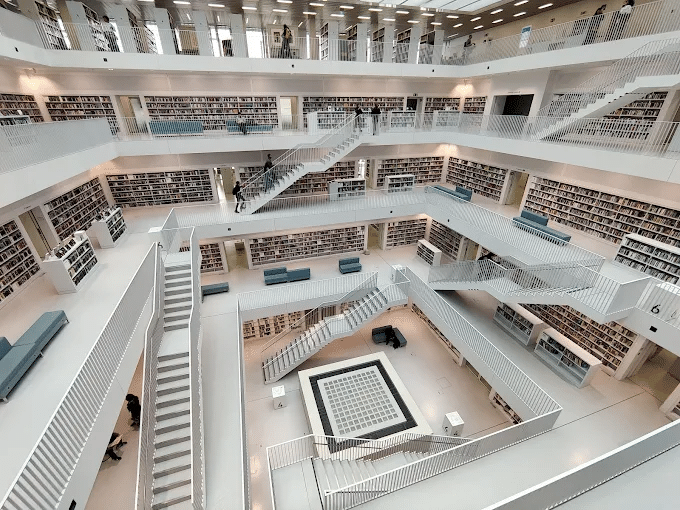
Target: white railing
<point>657,58</point>
<point>592,474</point>
<point>84,37</point>
<point>47,471</point>
<point>280,342</point>
<point>147,432</point>
<point>195,384</point>
<point>661,300</point>
<point>24,145</point>
<point>245,460</point>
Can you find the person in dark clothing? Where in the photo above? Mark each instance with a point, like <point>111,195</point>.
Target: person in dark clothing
<point>375,113</point>
<point>269,175</point>
<point>114,443</point>
<point>134,407</point>
<point>286,39</point>
<point>109,34</point>
<point>358,112</point>
<point>237,194</point>
<point>467,48</point>
<point>594,25</point>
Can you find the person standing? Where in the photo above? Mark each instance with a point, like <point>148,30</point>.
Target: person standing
<point>241,122</point>
<point>375,113</point>
<point>467,48</point>
<point>269,177</point>
<point>286,39</point>
<point>594,25</point>
<point>619,20</point>
<point>134,407</point>
<point>110,34</point>
<point>358,112</point>
<point>238,195</point>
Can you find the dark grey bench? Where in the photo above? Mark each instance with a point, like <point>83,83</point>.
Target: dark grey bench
<point>388,334</point>
<point>215,288</point>
<point>539,222</point>
<point>297,275</point>
<point>15,360</point>
<point>350,265</point>
<point>275,275</point>
<point>461,193</point>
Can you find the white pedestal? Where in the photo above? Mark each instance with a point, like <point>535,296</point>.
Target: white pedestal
<point>453,424</point>
<point>279,397</point>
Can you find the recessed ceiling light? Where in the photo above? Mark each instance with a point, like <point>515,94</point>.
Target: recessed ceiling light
<point>478,27</point>
<point>337,15</point>
<point>435,23</point>
<point>521,2</point>
<point>364,17</point>
<point>400,12</point>
<point>316,5</point>
<point>458,25</point>
<point>388,19</point>
<point>309,13</point>
<point>348,7</point>
<point>429,14</point>
<point>519,14</point>
<point>475,19</point>
<point>544,6</point>
<point>181,2</point>
<point>279,10</point>
<point>216,5</point>
<point>375,9</point>
<point>497,21</point>
<point>300,24</point>
<point>496,11</point>
<point>246,8</point>
<point>452,16</point>
<point>285,1</point>
<point>413,21</point>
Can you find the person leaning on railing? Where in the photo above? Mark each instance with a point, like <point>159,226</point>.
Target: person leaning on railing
<point>594,25</point>
<point>110,34</point>
<point>619,21</point>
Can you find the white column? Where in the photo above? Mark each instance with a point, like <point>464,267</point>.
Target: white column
<point>332,37</point>
<point>362,36</point>
<point>78,28</point>
<point>167,38</point>
<point>127,35</point>
<point>438,47</point>
<point>414,44</point>
<point>202,31</point>
<point>312,30</point>
<point>238,36</point>
<point>388,42</point>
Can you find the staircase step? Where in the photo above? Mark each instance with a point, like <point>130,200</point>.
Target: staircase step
<point>171,498</point>
<point>171,481</point>
<point>356,472</point>
<point>160,418</point>
<point>177,307</point>
<point>370,468</point>
<point>178,274</point>
<point>177,267</point>
<point>177,290</point>
<point>162,379</point>
<point>347,471</point>
<point>172,451</point>
<point>177,316</point>
<point>321,475</point>
<point>179,282</point>
<point>168,412</point>
<point>172,399</point>
<point>172,425</point>
<point>391,462</point>
<point>172,466</point>
<point>363,471</point>
<point>330,473</point>
<point>180,324</point>
<point>164,359</point>
<point>172,388</point>
<point>174,436</point>
<point>170,366</point>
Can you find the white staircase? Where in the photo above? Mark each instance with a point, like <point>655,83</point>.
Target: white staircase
<point>652,67</point>
<point>172,457</point>
<point>298,162</point>
<point>315,338</point>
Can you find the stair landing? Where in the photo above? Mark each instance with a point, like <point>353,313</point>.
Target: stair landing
<point>174,342</point>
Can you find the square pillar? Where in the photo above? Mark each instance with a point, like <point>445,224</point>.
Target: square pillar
<point>165,31</point>
<point>119,14</point>
<point>202,31</point>
<point>361,39</point>
<point>414,44</point>
<point>438,47</point>
<point>239,43</point>
<point>77,26</point>
<point>381,44</point>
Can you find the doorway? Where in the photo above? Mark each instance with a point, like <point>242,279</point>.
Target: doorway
<point>519,105</point>
<point>136,119</point>
<point>517,183</point>
<point>413,103</point>
<point>235,250</point>
<point>289,113</point>
<point>38,229</point>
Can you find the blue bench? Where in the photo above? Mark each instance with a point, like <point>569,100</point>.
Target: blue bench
<point>15,360</point>
<point>232,127</point>
<point>259,128</point>
<point>215,288</point>
<point>297,275</point>
<point>387,334</point>
<point>175,127</point>
<point>350,265</point>
<point>461,193</point>
<point>275,275</point>
<point>539,222</point>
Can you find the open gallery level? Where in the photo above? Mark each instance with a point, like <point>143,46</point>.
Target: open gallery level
<point>311,256</point>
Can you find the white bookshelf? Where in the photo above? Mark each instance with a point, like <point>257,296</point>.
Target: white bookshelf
<point>427,169</point>
<point>455,353</point>
<point>75,209</point>
<point>303,245</point>
<point>347,104</point>
<point>399,183</point>
<point>12,104</point>
<point>401,120</point>
<point>326,121</point>
<point>404,232</point>
<point>429,253</point>
<point>486,180</point>
<point>267,326</point>
<point>213,257</point>
<point>652,257</point>
<point>610,343</point>
<point>401,48</point>
<point>505,409</point>
<point>49,19</point>
<point>605,215</point>
<point>521,324</point>
<point>100,42</point>
<point>148,189</point>
<point>17,263</point>
<point>14,120</point>
<point>213,111</point>
<point>144,38</point>
<point>68,264</point>
<point>328,41</point>
<point>446,239</point>
<point>566,358</point>
<point>109,227</point>
<point>433,104</point>
<point>343,189</point>
<point>62,108</point>
<point>474,104</point>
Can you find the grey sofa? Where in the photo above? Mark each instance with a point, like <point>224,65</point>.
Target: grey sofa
<point>297,275</point>
<point>15,360</point>
<point>461,193</point>
<point>215,288</point>
<point>275,275</point>
<point>350,265</point>
<point>385,334</point>
<point>539,222</point>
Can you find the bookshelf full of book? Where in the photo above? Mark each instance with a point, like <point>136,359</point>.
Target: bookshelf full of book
<point>77,208</point>
<point>483,179</point>
<point>12,104</point>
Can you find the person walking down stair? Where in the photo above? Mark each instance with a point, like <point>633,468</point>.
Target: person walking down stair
<point>237,194</point>
<point>269,174</point>
<point>358,112</point>
<point>375,114</point>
